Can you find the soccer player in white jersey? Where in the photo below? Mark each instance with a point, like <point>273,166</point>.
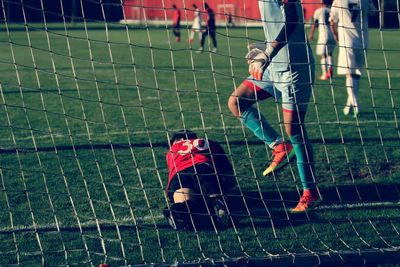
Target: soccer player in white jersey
<point>196,26</point>
<point>326,41</point>
<point>284,68</point>
<point>349,24</point>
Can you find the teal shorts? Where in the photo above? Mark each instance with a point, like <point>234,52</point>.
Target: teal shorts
<point>293,86</point>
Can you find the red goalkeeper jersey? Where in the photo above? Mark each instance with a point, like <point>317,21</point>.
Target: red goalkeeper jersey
<point>186,153</point>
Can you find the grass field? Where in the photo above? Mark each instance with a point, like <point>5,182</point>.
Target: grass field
<point>84,124</point>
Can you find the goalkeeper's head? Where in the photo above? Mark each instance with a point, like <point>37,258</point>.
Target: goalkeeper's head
<point>182,134</point>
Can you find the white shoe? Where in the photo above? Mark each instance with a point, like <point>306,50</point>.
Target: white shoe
<point>215,50</point>
<point>200,50</point>
<point>356,112</point>
<point>346,110</point>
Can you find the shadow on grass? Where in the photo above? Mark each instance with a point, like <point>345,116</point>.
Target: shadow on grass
<point>95,145</point>
<point>264,209</point>
<point>271,209</point>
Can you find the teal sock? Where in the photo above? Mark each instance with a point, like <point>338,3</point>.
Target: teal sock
<point>259,125</point>
<point>305,160</point>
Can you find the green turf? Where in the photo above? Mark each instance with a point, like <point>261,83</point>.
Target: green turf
<point>84,124</point>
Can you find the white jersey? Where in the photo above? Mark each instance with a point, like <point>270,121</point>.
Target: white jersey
<point>321,16</point>
<point>297,52</point>
<point>351,17</point>
<point>197,20</point>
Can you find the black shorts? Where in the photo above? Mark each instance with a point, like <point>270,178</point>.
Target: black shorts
<point>201,178</point>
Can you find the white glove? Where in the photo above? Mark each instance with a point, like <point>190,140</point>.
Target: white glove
<point>259,45</point>
<point>252,54</point>
<point>258,61</point>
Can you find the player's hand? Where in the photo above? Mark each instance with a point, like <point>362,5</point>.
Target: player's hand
<point>258,64</point>
<point>252,54</point>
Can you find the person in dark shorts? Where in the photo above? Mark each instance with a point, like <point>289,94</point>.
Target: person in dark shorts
<point>199,174</point>
<point>176,24</point>
<point>210,30</point>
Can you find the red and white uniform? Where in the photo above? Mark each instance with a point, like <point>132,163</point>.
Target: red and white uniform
<point>185,154</point>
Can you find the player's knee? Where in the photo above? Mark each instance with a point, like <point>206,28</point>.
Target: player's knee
<point>184,194</point>
<point>233,104</point>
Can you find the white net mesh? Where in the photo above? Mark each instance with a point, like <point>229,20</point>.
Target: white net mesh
<point>89,103</point>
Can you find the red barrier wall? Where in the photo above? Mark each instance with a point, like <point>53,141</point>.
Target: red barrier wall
<point>241,10</point>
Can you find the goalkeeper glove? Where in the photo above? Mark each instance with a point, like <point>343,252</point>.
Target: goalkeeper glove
<point>258,61</point>
<point>259,45</point>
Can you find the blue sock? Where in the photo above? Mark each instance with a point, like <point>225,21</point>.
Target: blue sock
<point>305,160</point>
<point>259,125</point>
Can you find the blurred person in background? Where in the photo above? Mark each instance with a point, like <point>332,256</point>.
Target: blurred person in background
<point>210,30</point>
<point>349,24</point>
<point>326,41</point>
<point>196,25</point>
<point>176,23</point>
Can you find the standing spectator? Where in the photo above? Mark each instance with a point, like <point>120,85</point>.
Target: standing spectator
<point>349,24</point>
<point>210,29</point>
<point>326,41</point>
<point>176,24</point>
<point>282,66</point>
<point>229,21</point>
<point>196,26</point>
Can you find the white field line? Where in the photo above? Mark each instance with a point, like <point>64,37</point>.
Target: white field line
<point>126,221</point>
<point>357,205</point>
<point>55,135</point>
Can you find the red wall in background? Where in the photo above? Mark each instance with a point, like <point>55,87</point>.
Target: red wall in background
<point>154,9</point>
<point>309,6</point>
<point>242,10</point>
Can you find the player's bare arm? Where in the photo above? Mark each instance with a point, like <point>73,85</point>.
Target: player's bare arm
<point>312,30</point>
<point>333,26</point>
<point>262,60</point>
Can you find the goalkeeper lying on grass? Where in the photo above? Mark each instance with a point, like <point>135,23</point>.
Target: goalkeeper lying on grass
<point>199,173</point>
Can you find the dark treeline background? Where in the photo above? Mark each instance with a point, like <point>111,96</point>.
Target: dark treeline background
<point>16,10</point>
<point>111,10</point>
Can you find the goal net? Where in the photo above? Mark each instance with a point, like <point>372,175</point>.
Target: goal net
<point>88,105</point>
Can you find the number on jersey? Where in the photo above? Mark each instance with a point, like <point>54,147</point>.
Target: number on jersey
<point>199,144</point>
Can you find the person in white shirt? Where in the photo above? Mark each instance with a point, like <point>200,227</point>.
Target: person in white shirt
<point>196,26</point>
<point>326,42</point>
<point>349,24</point>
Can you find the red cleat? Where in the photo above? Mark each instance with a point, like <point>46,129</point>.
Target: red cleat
<point>329,74</point>
<point>307,203</point>
<point>282,155</point>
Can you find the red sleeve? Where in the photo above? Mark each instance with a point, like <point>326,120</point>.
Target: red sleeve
<point>169,160</point>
